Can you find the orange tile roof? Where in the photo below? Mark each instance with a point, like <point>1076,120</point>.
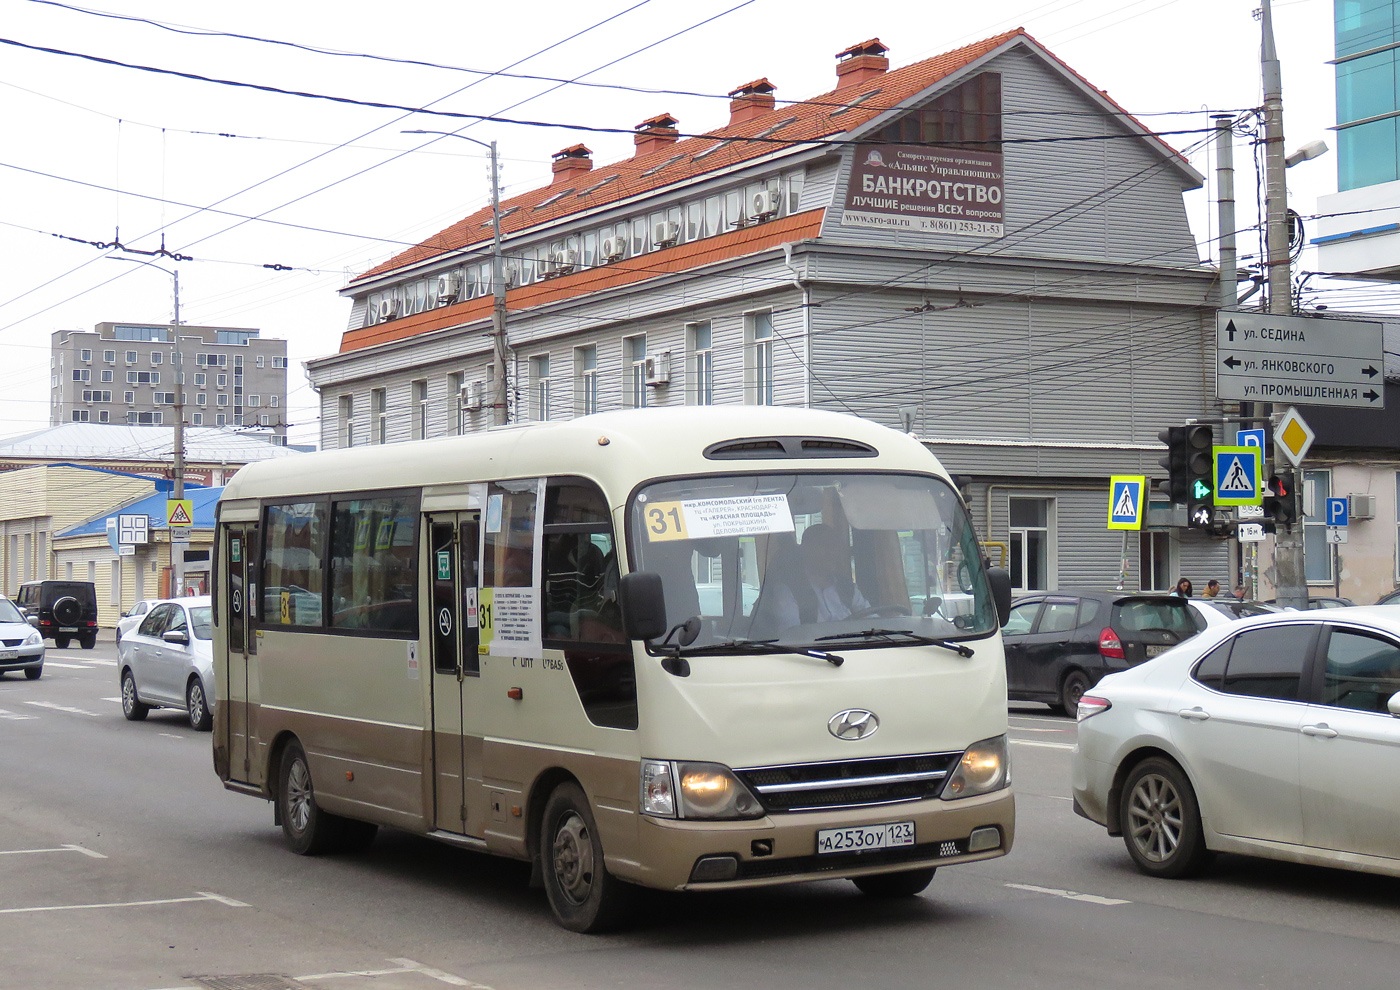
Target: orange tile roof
<point>682,257</point>
<point>813,120</point>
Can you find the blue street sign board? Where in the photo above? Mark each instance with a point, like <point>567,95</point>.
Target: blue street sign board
<point>1337,513</point>
<point>1249,438</point>
<point>1237,471</point>
<point>1125,501</point>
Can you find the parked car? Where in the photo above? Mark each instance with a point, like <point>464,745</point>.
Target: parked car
<point>1275,736</point>
<point>1393,598</point>
<point>1218,611</point>
<point>65,610</point>
<point>1323,602</point>
<point>130,620</point>
<point>1059,644</point>
<point>21,646</point>
<point>167,661</point>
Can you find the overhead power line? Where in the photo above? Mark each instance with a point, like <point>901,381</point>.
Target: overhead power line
<point>554,124</point>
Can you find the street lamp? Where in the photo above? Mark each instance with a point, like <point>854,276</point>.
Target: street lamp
<point>177,471</point>
<point>498,282</point>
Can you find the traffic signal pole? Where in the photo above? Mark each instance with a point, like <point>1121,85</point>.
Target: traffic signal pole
<point>1290,586</point>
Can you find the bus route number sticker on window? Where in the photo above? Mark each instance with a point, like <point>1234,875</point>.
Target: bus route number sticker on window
<point>699,519</point>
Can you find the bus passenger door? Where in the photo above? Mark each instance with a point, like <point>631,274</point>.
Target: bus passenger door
<point>453,559</point>
<point>238,605</point>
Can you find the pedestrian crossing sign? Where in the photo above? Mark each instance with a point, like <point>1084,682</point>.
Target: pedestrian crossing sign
<point>1125,501</point>
<point>1237,474</point>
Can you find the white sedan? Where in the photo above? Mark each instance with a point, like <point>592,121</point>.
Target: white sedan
<point>1221,611</point>
<point>1274,736</point>
<point>130,620</point>
<point>168,662</point>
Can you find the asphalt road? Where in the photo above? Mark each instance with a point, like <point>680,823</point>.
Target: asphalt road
<point>125,865</point>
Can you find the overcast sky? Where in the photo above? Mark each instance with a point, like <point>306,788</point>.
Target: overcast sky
<point>347,190</point>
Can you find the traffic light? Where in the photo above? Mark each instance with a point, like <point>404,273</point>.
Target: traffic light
<point>1281,500</point>
<point>1175,486</point>
<point>1200,476</point>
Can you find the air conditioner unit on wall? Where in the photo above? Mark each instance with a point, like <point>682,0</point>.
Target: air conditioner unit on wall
<point>665,234</point>
<point>473,395</point>
<point>764,205</point>
<point>449,288</point>
<point>388,309</point>
<point>658,368</point>
<point>1361,506</point>
<point>612,249</point>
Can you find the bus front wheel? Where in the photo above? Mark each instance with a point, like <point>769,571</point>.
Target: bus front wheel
<point>309,830</point>
<point>584,896</point>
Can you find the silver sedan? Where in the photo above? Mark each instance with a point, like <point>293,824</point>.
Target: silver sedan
<point>1276,736</point>
<point>168,662</point>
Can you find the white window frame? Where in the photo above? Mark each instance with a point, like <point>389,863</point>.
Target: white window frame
<point>420,408</point>
<point>379,415</point>
<point>1319,482</point>
<point>700,363</point>
<point>539,387</point>
<point>1051,541</point>
<point>759,335</point>
<point>585,379</point>
<point>634,357</point>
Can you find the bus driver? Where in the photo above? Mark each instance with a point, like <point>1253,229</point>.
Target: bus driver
<point>824,590</point>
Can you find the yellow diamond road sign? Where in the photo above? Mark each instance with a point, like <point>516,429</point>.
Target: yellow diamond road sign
<point>1293,437</point>
<point>179,512</point>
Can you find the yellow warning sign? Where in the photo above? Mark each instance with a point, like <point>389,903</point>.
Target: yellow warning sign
<point>179,512</point>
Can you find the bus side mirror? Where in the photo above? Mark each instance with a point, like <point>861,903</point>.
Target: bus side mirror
<point>1000,581</point>
<point>643,605</point>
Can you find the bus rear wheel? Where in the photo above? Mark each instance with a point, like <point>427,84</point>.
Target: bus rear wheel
<point>584,896</point>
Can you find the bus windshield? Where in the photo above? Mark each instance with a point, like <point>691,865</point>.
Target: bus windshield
<point>821,560</point>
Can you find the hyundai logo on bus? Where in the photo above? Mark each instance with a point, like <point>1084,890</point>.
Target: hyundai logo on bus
<point>853,724</point>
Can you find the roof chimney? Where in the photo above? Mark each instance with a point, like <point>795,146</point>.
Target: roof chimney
<point>570,161</point>
<point>655,134</point>
<point>750,101</point>
<point>861,63</point>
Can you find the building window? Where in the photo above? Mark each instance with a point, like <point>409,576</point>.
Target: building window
<point>130,357</point>
<point>222,381</point>
<point>456,402</point>
<point>273,401</point>
<point>254,400</point>
<point>110,357</point>
<point>634,350</point>
<point>156,357</point>
<point>968,116</point>
<point>144,418</point>
<point>758,327</point>
<point>347,420</point>
<point>260,360</point>
<point>539,388</point>
<point>163,398</point>
<point>586,380</point>
<point>85,355</point>
<point>379,415</point>
<point>1317,552</point>
<point>279,362</point>
<point>199,379</point>
<point>221,400</point>
<point>420,408</point>
<point>220,419</point>
<point>80,415</point>
<point>129,398</point>
<point>197,419</point>
<point>701,390</point>
<point>1031,545</point>
<point>1155,560</point>
<point>201,399</point>
<point>107,374</point>
<point>103,416</point>
<point>82,375</point>
<point>264,420</point>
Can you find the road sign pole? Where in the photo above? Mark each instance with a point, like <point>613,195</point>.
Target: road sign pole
<point>1288,577</point>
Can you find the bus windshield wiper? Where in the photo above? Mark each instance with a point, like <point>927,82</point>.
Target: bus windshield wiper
<point>768,646</point>
<point>908,635</point>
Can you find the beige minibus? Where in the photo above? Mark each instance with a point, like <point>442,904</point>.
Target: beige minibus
<point>689,649</point>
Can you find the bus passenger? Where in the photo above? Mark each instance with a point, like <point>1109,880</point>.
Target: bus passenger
<point>824,591</point>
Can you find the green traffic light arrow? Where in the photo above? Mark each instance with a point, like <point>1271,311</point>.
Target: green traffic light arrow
<point>1199,489</point>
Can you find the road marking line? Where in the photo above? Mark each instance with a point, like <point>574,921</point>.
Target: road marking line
<point>1041,745</point>
<point>203,896</point>
<point>102,663</point>
<point>1027,728</point>
<point>1071,895</point>
<point>62,708</point>
<point>15,716</point>
<point>171,735</point>
<point>439,975</point>
<point>65,656</point>
<point>66,847</point>
<point>65,666</point>
<point>117,700</point>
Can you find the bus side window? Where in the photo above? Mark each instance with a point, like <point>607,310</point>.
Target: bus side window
<point>372,574</point>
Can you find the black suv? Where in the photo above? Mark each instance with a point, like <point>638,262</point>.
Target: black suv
<point>66,610</point>
<point>1060,643</point>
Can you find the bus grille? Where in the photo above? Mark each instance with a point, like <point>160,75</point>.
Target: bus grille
<point>850,783</point>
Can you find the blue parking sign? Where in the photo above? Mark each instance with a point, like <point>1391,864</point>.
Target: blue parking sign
<point>1236,475</point>
<point>1337,512</point>
<point>1125,501</point>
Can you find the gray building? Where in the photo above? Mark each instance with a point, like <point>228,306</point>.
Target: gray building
<point>981,248</point>
<point>125,373</point>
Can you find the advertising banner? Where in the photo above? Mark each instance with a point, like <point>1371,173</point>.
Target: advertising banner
<point>930,190</point>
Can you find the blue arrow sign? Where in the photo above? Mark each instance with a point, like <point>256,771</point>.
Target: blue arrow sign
<point>1337,512</point>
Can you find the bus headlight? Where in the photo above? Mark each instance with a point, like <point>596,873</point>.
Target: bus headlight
<point>695,790</point>
<point>984,767</point>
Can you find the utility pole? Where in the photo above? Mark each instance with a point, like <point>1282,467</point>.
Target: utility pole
<point>500,401</point>
<point>177,557</point>
<point>1290,586</point>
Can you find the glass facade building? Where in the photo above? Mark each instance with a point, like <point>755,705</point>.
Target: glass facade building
<point>1368,103</point>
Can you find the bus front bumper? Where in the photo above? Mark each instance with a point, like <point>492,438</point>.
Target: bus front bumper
<point>697,855</point>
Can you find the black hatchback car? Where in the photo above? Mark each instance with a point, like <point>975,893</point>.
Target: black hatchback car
<point>66,610</point>
<point>1060,643</point>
